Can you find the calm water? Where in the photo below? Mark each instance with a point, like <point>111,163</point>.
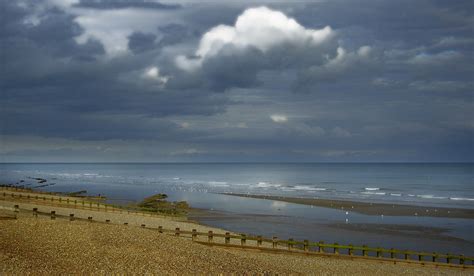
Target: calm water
<point>447,185</point>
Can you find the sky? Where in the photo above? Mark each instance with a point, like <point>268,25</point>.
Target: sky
<point>237,81</point>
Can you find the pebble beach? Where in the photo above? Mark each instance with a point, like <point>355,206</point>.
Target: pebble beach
<point>39,245</point>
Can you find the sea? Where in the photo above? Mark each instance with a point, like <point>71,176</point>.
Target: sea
<point>449,185</point>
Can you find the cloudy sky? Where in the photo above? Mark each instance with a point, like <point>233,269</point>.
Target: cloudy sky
<point>183,81</point>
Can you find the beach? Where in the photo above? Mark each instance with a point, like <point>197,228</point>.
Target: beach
<point>255,199</point>
<point>43,246</point>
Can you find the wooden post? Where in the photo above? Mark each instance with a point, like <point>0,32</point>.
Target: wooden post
<point>35,212</point>
<point>379,252</point>
<point>364,251</point>
<point>350,250</point>
<point>392,253</point>
<point>461,259</point>
<point>435,256</point>
<point>67,200</point>
<point>306,245</point>
<point>227,237</point>
<point>420,257</point>
<point>71,217</point>
<point>210,236</point>
<point>53,214</point>
<point>448,258</point>
<point>275,242</point>
<point>160,229</point>
<point>176,232</point>
<point>194,235</point>
<point>259,241</point>
<point>336,248</point>
<point>243,239</point>
<point>321,247</point>
<point>407,255</point>
<point>290,244</point>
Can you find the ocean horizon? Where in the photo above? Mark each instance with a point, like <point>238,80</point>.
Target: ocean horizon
<point>438,184</point>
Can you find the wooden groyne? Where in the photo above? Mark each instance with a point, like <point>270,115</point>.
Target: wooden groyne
<point>49,199</point>
<point>290,246</point>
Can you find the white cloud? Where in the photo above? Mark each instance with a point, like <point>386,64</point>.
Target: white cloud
<point>345,59</point>
<point>279,118</point>
<point>344,63</point>
<point>261,28</point>
<point>153,73</point>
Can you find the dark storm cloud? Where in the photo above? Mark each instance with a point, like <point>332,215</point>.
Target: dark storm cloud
<point>141,42</point>
<point>410,22</point>
<point>53,86</point>
<point>394,83</point>
<point>176,33</point>
<point>420,39</point>
<point>169,34</point>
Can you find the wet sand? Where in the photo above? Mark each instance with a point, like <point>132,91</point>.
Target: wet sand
<point>366,208</point>
<point>407,231</point>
